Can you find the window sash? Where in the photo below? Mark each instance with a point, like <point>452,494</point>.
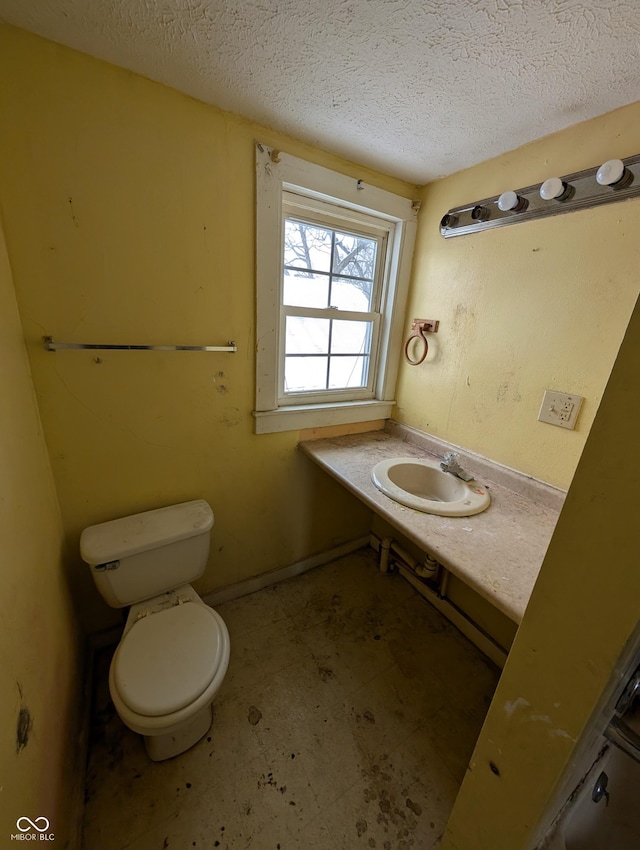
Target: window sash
<point>319,214</point>
<point>339,394</point>
<point>306,207</point>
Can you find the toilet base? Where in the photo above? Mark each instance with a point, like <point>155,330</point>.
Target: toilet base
<point>161,747</point>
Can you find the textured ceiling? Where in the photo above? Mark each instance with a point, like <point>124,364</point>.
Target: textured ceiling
<point>415,88</point>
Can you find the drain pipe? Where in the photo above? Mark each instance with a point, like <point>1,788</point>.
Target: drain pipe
<point>385,551</point>
<point>428,570</point>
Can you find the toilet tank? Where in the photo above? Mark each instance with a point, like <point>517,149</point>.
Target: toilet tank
<point>140,556</point>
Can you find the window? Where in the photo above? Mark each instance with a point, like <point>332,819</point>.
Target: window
<point>331,293</point>
<point>333,260</point>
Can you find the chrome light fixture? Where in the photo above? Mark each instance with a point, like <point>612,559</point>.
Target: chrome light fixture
<point>614,180</point>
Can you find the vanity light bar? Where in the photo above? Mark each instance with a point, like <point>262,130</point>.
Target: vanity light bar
<point>614,180</point>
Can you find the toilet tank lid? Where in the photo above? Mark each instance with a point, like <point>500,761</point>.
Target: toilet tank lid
<point>120,538</point>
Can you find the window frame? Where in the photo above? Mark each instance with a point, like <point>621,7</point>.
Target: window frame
<point>278,176</point>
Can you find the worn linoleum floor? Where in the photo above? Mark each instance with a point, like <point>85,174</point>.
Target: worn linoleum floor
<point>346,720</point>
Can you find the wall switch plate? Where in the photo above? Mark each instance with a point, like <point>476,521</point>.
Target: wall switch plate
<point>560,409</point>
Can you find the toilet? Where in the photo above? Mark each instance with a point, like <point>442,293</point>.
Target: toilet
<point>174,650</point>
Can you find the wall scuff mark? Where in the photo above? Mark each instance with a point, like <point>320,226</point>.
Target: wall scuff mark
<point>23,726</point>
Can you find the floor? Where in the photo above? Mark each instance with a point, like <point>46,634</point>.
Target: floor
<point>347,718</point>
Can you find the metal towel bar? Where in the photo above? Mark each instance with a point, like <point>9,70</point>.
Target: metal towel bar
<point>50,345</point>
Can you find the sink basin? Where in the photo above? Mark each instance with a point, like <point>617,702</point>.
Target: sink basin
<point>422,485</point>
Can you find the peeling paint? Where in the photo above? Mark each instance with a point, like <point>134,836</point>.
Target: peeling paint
<point>561,733</point>
<point>511,706</point>
<point>540,718</point>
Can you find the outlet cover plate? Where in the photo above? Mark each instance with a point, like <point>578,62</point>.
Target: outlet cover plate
<point>560,409</point>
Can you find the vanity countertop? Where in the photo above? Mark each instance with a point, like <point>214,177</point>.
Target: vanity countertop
<point>498,553</point>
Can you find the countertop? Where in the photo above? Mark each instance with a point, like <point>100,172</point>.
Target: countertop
<point>498,553</point>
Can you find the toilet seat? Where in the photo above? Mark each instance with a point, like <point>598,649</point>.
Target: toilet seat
<point>168,659</point>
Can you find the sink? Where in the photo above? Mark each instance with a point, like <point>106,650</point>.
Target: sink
<point>422,485</point>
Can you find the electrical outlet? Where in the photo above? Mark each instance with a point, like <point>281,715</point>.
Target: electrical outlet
<point>560,409</point>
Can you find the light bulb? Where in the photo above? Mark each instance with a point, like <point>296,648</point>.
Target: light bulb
<point>507,201</point>
<point>610,172</point>
<point>511,202</point>
<point>552,188</point>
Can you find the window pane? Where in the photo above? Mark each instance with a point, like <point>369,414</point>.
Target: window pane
<point>351,294</point>
<point>307,246</point>
<point>354,255</point>
<point>306,336</point>
<point>350,337</point>
<point>305,289</point>
<point>305,373</point>
<point>348,372</point>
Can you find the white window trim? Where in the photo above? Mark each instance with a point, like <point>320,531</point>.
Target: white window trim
<point>277,173</point>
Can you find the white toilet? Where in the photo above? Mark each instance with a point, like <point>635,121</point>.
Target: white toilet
<point>174,650</point>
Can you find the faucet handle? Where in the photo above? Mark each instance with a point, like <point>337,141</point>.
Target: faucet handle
<point>451,464</point>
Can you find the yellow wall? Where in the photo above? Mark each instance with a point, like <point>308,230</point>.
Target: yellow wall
<point>583,610</point>
<point>39,640</point>
<point>524,308</point>
<point>130,219</point>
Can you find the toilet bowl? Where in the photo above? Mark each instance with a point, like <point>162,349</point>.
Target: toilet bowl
<point>174,651</point>
<point>167,668</point>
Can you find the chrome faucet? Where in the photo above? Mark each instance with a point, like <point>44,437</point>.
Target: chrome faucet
<point>451,464</point>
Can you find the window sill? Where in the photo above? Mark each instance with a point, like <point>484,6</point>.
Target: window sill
<point>317,415</point>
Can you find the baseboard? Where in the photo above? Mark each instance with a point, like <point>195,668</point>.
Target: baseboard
<point>436,596</point>
<point>485,643</point>
<point>251,585</point>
